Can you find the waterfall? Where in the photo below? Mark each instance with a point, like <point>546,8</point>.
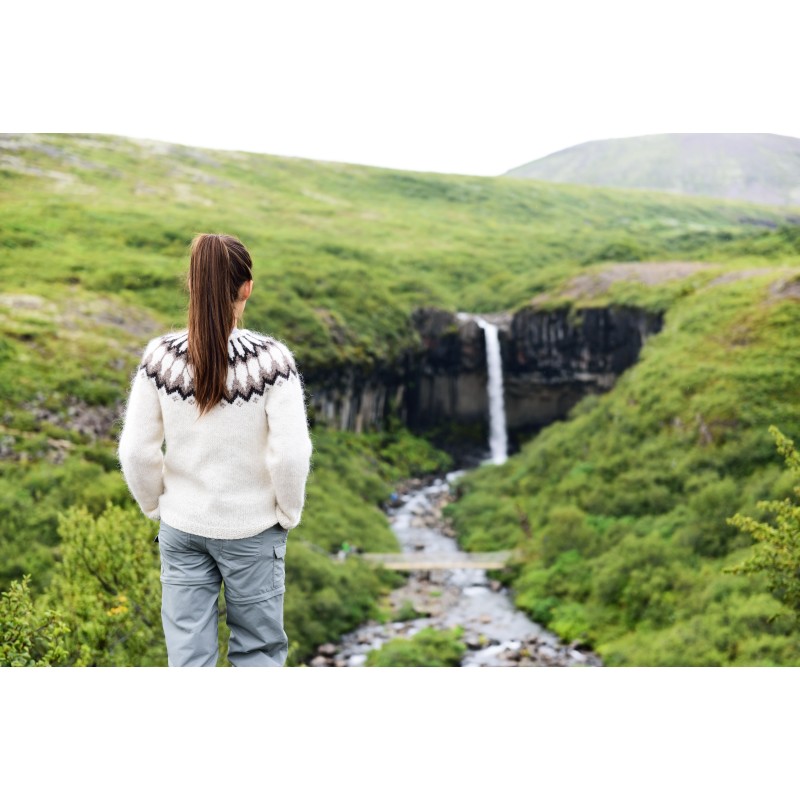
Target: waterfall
<point>497,415</point>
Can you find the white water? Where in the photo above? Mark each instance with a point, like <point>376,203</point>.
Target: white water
<point>494,629</point>
<point>498,440</point>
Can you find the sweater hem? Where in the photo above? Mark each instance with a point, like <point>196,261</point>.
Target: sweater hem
<point>217,532</point>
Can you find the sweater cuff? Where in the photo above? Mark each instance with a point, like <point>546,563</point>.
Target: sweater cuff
<point>284,521</point>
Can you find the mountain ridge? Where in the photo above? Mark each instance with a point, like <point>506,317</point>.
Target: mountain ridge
<point>757,167</point>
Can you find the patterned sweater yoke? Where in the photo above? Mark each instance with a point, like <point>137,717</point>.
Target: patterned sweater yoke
<point>255,362</point>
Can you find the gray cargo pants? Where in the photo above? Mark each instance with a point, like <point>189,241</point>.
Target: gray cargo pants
<point>253,570</point>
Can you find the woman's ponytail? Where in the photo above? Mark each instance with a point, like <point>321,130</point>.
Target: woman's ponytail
<point>218,266</point>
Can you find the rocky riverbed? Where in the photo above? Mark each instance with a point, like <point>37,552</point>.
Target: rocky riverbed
<point>495,632</point>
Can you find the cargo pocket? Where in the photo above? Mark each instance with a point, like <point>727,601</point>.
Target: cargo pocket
<point>247,550</point>
<point>279,567</point>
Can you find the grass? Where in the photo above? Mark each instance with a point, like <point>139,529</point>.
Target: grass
<point>625,502</point>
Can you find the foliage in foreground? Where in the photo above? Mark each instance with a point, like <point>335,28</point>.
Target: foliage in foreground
<point>427,648</point>
<point>777,554</point>
<point>102,602</point>
<point>30,636</point>
<point>108,589</point>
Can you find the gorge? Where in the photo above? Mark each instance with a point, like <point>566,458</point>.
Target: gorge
<point>546,361</point>
<point>550,359</point>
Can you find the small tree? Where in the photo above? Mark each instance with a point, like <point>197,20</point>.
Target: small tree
<point>29,636</point>
<point>777,552</point>
<point>106,585</point>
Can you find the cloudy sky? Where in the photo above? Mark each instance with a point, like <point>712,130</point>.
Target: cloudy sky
<point>463,87</point>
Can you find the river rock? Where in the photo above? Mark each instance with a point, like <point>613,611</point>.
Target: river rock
<point>576,655</point>
<point>473,641</point>
<point>546,652</point>
<point>461,598</point>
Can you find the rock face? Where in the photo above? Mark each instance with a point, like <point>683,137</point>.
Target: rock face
<point>551,358</point>
<point>349,398</point>
<point>443,380</point>
<point>447,381</point>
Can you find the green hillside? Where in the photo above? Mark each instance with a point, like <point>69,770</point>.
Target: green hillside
<point>759,167</point>
<point>94,235</point>
<point>620,511</point>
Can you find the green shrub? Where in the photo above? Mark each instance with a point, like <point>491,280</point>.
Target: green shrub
<point>567,529</point>
<point>107,586</point>
<point>30,636</point>
<point>408,612</point>
<point>777,554</point>
<point>427,648</point>
<point>571,623</point>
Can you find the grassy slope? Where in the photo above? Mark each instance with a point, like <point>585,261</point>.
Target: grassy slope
<point>342,254</point>
<point>620,511</point>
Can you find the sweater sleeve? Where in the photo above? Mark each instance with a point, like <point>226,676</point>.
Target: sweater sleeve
<point>289,446</point>
<point>139,450</point>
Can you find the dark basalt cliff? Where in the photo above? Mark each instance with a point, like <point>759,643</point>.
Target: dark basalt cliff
<point>551,358</point>
<point>443,379</point>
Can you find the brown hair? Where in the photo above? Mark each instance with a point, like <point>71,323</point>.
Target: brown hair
<point>218,265</point>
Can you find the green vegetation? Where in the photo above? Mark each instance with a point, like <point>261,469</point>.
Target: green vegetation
<point>104,588</point>
<point>342,253</point>
<point>618,512</point>
<point>408,612</point>
<point>778,553</point>
<point>427,648</point>
<point>29,635</point>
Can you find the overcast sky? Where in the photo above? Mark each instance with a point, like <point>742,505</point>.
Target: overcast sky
<point>463,87</point>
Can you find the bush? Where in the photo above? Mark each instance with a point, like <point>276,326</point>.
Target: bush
<point>710,535</point>
<point>567,529</point>
<point>428,648</point>
<point>107,586</point>
<point>777,554</point>
<point>408,612</point>
<point>29,636</point>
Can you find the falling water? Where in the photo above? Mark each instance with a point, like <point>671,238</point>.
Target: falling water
<point>497,415</point>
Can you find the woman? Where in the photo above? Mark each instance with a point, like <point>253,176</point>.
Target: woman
<point>229,403</point>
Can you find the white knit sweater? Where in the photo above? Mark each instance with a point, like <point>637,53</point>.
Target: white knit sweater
<point>240,468</point>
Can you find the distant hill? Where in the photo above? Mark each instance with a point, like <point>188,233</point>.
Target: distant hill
<point>759,167</point>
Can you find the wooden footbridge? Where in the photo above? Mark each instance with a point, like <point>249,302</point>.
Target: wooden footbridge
<point>409,562</point>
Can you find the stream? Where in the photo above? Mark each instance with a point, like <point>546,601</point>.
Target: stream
<point>495,632</point>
